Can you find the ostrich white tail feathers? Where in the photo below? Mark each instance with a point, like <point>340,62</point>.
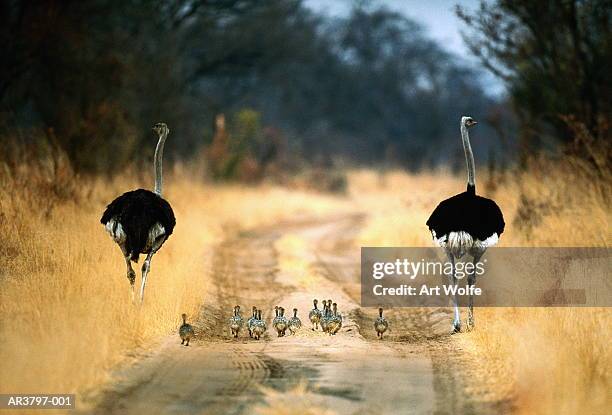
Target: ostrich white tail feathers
<point>156,232</point>
<point>115,230</point>
<point>159,153</point>
<point>459,243</point>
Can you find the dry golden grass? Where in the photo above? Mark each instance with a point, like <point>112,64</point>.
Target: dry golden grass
<point>550,360</point>
<point>66,316</point>
<point>398,205</point>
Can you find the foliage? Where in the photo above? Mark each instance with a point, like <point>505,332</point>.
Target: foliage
<point>243,150</point>
<point>554,56</point>
<point>370,86</point>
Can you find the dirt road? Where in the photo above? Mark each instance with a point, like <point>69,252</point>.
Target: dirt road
<point>416,369</point>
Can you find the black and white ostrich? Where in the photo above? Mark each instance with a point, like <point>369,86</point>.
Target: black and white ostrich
<point>140,221</point>
<point>466,224</point>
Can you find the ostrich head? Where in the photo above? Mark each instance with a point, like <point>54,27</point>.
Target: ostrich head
<point>184,317</point>
<point>161,128</point>
<point>468,121</point>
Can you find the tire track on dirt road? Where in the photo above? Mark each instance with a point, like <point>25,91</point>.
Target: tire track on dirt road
<point>416,369</point>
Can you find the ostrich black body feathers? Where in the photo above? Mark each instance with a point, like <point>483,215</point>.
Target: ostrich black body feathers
<point>137,212</point>
<point>476,215</point>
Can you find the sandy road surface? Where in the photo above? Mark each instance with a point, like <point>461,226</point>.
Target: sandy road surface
<point>416,369</point>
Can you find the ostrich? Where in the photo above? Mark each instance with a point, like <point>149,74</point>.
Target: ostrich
<point>236,322</point>
<point>334,323</point>
<point>380,324</point>
<point>259,326</point>
<point>186,331</point>
<point>140,221</point>
<point>315,315</point>
<point>294,322</point>
<point>466,223</point>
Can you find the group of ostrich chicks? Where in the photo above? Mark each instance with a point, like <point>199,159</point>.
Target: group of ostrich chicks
<point>329,319</point>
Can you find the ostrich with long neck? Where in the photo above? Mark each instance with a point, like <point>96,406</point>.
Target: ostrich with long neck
<point>466,224</point>
<point>141,221</point>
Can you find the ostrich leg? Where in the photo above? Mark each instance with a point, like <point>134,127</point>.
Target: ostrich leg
<point>472,282</point>
<point>131,275</point>
<point>146,267</point>
<point>453,280</point>
<point>157,241</point>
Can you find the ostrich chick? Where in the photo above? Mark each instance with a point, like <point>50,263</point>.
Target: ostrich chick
<point>380,324</point>
<point>186,331</point>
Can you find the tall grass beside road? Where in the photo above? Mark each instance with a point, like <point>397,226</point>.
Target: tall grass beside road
<point>66,317</point>
<point>548,360</point>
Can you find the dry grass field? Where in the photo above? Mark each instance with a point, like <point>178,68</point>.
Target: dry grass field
<point>65,310</point>
<point>66,317</point>
<point>549,360</point>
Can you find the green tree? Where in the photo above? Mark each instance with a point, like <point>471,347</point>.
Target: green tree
<point>555,57</point>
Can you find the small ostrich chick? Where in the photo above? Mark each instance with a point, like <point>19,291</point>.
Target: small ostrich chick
<point>186,331</point>
<point>294,322</point>
<point>315,315</point>
<point>380,324</point>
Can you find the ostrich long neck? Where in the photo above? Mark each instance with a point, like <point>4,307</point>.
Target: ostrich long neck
<point>469,157</point>
<point>159,153</point>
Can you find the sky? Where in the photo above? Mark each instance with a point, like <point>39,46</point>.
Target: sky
<point>437,18</point>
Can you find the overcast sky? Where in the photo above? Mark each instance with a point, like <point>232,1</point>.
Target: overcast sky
<point>436,16</point>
